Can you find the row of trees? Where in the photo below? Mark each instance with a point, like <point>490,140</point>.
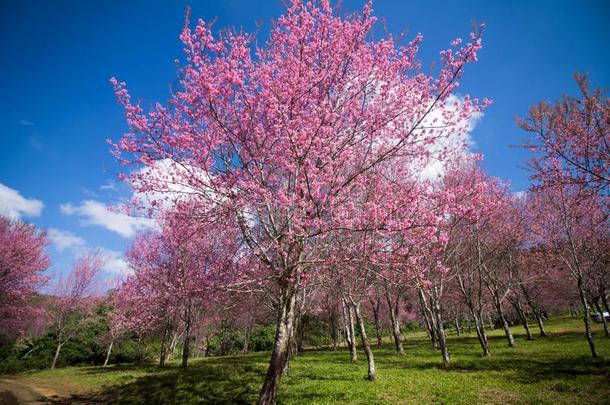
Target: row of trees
<point>304,169</point>
<point>322,183</point>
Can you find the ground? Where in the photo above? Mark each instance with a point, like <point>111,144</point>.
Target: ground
<point>554,370</point>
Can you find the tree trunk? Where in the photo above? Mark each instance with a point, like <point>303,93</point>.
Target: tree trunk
<point>535,311</point>
<point>163,352</point>
<point>440,332</point>
<point>375,309</point>
<point>540,323</point>
<point>477,318</point>
<point>332,317</point>
<point>457,326</point>
<point>186,343</point>
<point>292,344</point>
<point>522,315</point>
<point>509,335</point>
<point>172,345</point>
<point>428,318</point>
<point>526,326</point>
<point>481,334</point>
<point>139,350</point>
<point>206,352</point>
<point>247,339</point>
<point>601,312</point>
<point>395,325</point>
<point>54,363</point>
<point>587,317</point>
<point>490,321</point>
<point>349,331</point>
<point>108,352</point>
<point>281,346</point>
<point>602,294</point>
<point>372,373</point>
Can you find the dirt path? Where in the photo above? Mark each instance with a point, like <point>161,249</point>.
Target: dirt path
<point>14,392</point>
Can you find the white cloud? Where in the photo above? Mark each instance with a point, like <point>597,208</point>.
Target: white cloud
<point>458,144</point>
<point>26,123</point>
<point>109,185</point>
<point>115,263</point>
<point>14,205</point>
<point>65,240</point>
<point>520,195</point>
<point>96,213</point>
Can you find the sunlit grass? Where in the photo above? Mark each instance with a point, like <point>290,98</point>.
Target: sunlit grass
<point>557,369</point>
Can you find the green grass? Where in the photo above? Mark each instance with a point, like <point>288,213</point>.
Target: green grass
<point>552,370</point>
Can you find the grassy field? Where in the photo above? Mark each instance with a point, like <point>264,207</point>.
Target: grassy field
<point>552,370</point>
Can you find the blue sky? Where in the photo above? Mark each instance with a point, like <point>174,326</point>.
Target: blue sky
<point>57,107</point>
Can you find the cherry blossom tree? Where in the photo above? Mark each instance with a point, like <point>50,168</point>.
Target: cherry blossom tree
<point>23,259</point>
<point>574,132</point>
<point>277,141</point>
<point>179,273</point>
<point>73,298</point>
<point>570,185</point>
<point>571,223</point>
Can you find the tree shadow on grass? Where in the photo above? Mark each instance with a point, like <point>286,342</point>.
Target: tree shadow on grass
<point>225,380</point>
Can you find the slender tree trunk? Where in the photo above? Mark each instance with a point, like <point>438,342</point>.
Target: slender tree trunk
<point>247,339</point>
<point>332,317</point>
<point>428,318</point>
<point>336,333</point>
<point>440,330</point>
<point>186,343</point>
<point>490,321</point>
<point>522,315</point>
<point>602,294</point>
<point>477,317</point>
<point>601,312</point>
<point>540,323</point>
<point>206,352</point>
<point>457,326</point>
<point>587,317</point>
<point>163,352</point>
<point>350,335</point>
<point>54,363</point>
<point>476,311</point>
<point>535,311</point>
<point>172,345</point>
<point>108,352</point>
<point>139,350</point>
<point>375,309</point>
<point>395,325</point>
<point>372,373</point>
<point>279,355</point>
<point>482,335</point>
<point>500,311</point>
<point>333,333</point>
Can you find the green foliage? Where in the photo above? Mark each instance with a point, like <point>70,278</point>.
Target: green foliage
<point>261,337</point>
<point>313,332</point>
<point>85,348</point>
<point>410,326</point>
<point>227,340</point>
